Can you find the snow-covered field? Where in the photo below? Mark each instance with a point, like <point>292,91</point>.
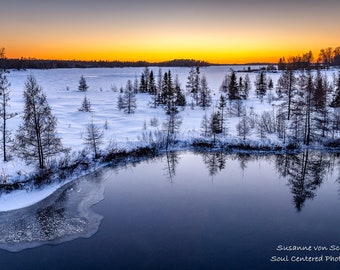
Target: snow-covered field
<point>61,89</point>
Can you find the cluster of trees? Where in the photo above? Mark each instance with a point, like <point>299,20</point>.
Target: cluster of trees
<point>307,109</point>
<point>327,57</point>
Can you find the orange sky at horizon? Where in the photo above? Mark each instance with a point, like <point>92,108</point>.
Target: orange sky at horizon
<point>215,31</point>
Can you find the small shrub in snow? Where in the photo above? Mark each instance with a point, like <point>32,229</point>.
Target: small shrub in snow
<point>154,122</point>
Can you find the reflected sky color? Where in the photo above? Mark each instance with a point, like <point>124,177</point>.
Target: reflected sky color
<point>216,31</point>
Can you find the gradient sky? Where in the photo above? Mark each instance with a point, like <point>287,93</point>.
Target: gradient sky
<point>220,31</point>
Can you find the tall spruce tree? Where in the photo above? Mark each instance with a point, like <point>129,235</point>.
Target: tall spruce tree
<point>36,138</point>
<point>204,98</point>
<point>261,85</point>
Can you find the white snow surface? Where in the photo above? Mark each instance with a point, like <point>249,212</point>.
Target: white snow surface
<point>22,198</point>
<point>61,89</point>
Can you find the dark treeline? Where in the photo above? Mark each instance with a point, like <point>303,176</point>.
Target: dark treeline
<point>29,63</point>
<point>327,58</point>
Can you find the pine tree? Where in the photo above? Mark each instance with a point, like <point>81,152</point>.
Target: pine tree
<point>193,83</point>
<point>336,97</point>
<point>152,84</point>
<point>204,98</point>
<point>82,84</point>
<point>216,124</point>
<point>261,85</point>
<point>233,89</point>
<point>247,87</point>
<point>222,106</point>
<point>142,84</point>
<point>85,105</point>
<point>36,138</point>
<point>180,97</point>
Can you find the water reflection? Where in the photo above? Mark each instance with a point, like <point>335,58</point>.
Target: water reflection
<point>67,214</point>
<point>172,159</point>
<point>305,173</point>
<point>63,216</point>
<point>215,161</point>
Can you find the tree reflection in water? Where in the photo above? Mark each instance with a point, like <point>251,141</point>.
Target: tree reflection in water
<point>304,172</point>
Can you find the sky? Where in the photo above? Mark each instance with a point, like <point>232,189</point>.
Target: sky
<point>218,31</point>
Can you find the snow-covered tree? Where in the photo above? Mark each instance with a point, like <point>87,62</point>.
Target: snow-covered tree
<point>36,138</point>
<point>180,97</point>
<point>82,84</point>
<point>216,124</point>
<point>336,96</point>
<point>222,108</point>
<point>204,95</point>
<point>85,105</point>
<point>243,126</point>
<point>261,85</point>
<point>205,126</point>
<point>93,138</point>
<point>152,84</point>
<point>285,88</point>
<point>193,83</point>
<point>129,98</point>
<point>4,104</point>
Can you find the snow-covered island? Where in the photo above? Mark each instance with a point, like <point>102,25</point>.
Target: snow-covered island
<point>96,116</point>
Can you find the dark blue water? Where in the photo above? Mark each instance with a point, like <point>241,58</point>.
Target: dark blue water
<point>185,211</point>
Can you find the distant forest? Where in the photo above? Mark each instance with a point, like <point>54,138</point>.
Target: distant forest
<point>31,63</point>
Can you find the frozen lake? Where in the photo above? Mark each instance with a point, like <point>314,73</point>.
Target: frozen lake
<point>184,210</point>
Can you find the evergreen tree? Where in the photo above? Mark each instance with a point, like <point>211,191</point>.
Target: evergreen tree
<point>135,85</point>
<point>216,124</point>
<point>168,92</point>
<point>142,84</point>
<point>233,89</point>
<point>193,83</point>
<point>85,105</point>
<point>152,84</point>
<point>204,99</point>
<point>247,87</point>
<point>261,85</point>
<point>82,84</point>
<point>36,138</point>
<point>180,97</point>
<point>222,107</point>
<point>336,97</point>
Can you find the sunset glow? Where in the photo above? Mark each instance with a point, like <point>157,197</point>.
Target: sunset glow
<point>215,31</point>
